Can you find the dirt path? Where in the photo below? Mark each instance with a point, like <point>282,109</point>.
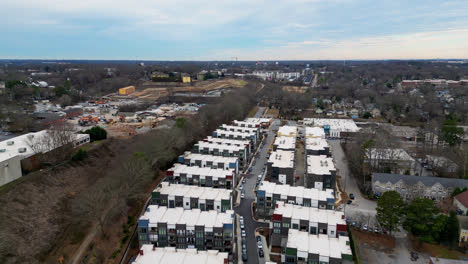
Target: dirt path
<point>84,245</point>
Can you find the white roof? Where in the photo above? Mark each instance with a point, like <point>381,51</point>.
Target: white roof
<point>171,216</point>
<point>343,125</point>
<point>212,158</point>
<point>288,131</point>
<point>388,154</point>
<point>285,142</point>
<point>320,165</point>
<point>321,244</point>
<point>212,146</point>
<point>192,191</point>
<point>314,132</point>
<point>282,158</point>
<point>25,141</point>
<point>239,129</point>
<point>202,172</point>
<point>234,133</point>
<point>179,256</point>
<point>311,214</point>
<point>257,120</point>
<point>227,141</point>
<point>271,188</point>
<point>245,123</point>
<point>316,143</point>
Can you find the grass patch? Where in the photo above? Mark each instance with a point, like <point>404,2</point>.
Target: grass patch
<point>253,112</point>
<point>354,243</point>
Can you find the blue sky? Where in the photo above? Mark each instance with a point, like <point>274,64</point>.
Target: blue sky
<point>247,29</point>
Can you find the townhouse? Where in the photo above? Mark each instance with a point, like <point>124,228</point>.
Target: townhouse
<point>287,131</point>
<point>269,193</point>
<point>231,142</point>
<point>321,172</point>
<point>263,122</point>
<point>284,143</point>
<point>210,161</point>
<point>206,177</point>
<point>222,150</point>
<point>410,186</point>
<point>303,247</point>
<point>192,197</point>
<point>335,128</point>
<point>180,228</point>
<point>219,133</point>
<point>314,132</point>
<point>149,254</point>
<point>308,219</point>
<point>280,167</point>
<point>234,128</point>
<point>317,146</point>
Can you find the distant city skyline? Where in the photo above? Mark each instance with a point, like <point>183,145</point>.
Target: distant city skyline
<point>246,29</point>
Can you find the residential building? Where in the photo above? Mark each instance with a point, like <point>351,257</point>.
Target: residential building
<point>463,229</point>
<point>186,78</point>
<point>202,75</point>
<point>231,142</point>
<point>302,247</point>
<point>460,201</point>
<point>410,186</point>
<point>149,254</point>
<point>252,136</point>
<point>222,150</point>
<point>269,193</point>
<point>335,128</point>
<point>192,175</point>
<point>210,161</point>
<point>252,123</point>
<point>321,172</point>
<point>233,128</point>
<point>396,160</point>
<point>317,146</point>
<point>284,143</point>
<point>287,131</point>
<point>280,167</point>
<point>314,132</point>
<point>312,220</point>
<point>159,75</point>
<point>180,228</point>
<point>263,122</point>
<point>19,153</point>
<point>192,197</point>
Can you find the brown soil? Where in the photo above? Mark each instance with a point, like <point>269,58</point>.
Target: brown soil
<point>380,242</point>
<point>275,258</point>
<point>435,249</point>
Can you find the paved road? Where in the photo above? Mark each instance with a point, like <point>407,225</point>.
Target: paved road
<point>361,209</point>
<point>259,112</point>
<point>245,207</point>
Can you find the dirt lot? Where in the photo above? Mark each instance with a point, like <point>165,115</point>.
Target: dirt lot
<point>436,250</point>
<point>295,89</point>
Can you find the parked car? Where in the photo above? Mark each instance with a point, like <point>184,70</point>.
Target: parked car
<point>241,219</point>
<point>242,226</point>
<point>370,229</point>
<point>244,180</point>
<point>414,256</point>
<point>241,187</point>
<point>243,233</point>
<point>242,195</point>
<point>244,257</point>
<point>259,238</point>
<point>260,253</point>
<point>353,223</point>
<point>349,202</point>
<point>364,227</point>
<point>259,244</point>
<point>351,195</point>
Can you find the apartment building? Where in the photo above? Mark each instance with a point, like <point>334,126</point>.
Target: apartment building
<point>396,160</point>
<point>180,228</point>
<point>281,167</point>
<point>308,219</point>
<point>321,172</point>
<point>222,150</point>
<point>219,133</point>
<point>287,131</point>
<point>335,128</point>
<point>234,128</point>
<point>231,142</point>
<point>314,132</point>
<point>206,177</point>
<point>149,254</point>
<point>210,161</point>
<point>263,122</point>
<point>269,193</point>
<point>284,143</point>
<point>317,146</point>
<point>192,197</point>
<point>303,247</point>
<point>410,186</point>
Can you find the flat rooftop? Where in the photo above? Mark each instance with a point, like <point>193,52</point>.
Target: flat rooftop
<point>316,144</point>
<point>234,133</point>
<point>193,191</point>
<point>285,190</point>
<point>314,132</point>
<point>333,247</point>
<point>212,158</point>
<point>239,129</point>
<point>221,147</point>
<point>202,172</point>
<point>287,131</point>
<point>191,218</point>
<point>388,154</point>
<point>257,120</point>
<point>311,214</point>
<point>179,256</point>
<point>343,125</point>
<point>320,165</point>
<point>285,142</point>
<point>282,159</point>
<point>226,141</point>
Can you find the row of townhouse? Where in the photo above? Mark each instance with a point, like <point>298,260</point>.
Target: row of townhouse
<point>269,193</point>
<point>227,134</point>
<point>317,146</point>
<point>284,143</point>
<point>231,142</point>
<point>262,122</point>
<point>210,161</point>
<point>206,177</point>
<point>234,128</point>
<point>303,247</point>
<point>280,167</point>
<point>287,131</point>
<point>222,150</point>
<point>308,219</point>
<point>192,197</point>
<point>410,186</point>
<point>320,173</point>
<point>314,132</point>
<point>149,254</point>
<point>180,228</point>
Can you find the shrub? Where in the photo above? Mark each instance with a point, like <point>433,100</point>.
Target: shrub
<point>96,133</point>
<point>80,155</point>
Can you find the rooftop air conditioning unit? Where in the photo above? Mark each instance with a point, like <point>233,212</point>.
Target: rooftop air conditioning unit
<point>2,150</point>
<point>9,143</point>
<point>22,150</point>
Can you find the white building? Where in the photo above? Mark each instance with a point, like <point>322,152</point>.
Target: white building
<point>333,127</point>
<point>281,167</point>
<point>396,160</point>
<point>287,131</point>
<point>317,146</point>
<point>284,143</point>
<point>321,172</point>
<point>314,132</point>
<point>151,255</point>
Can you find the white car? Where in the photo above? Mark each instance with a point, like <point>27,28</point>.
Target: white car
<point>259,244</point>
<point>242,195</point>
<point>241,219</point>
<point>241,187</point>
<point>243,233</point>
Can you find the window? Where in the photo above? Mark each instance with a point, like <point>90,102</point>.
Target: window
<point>295,226</point>
<point>162,231</point>
<point>276,231</point>
<point>143,230</point>
<point>276,224</point>
<point>285,225</point>
<point>332,233</point>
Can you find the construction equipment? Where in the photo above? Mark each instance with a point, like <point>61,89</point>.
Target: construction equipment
<point>122,118</point>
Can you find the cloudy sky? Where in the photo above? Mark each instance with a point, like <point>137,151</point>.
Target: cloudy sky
<point>246,29</point>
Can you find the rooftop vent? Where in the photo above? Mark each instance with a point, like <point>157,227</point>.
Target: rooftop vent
<point>9,143</point>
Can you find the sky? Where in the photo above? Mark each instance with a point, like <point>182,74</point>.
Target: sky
<point>245,29</point>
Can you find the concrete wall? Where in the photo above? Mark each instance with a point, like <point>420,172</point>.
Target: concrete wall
<point>10,170</point>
